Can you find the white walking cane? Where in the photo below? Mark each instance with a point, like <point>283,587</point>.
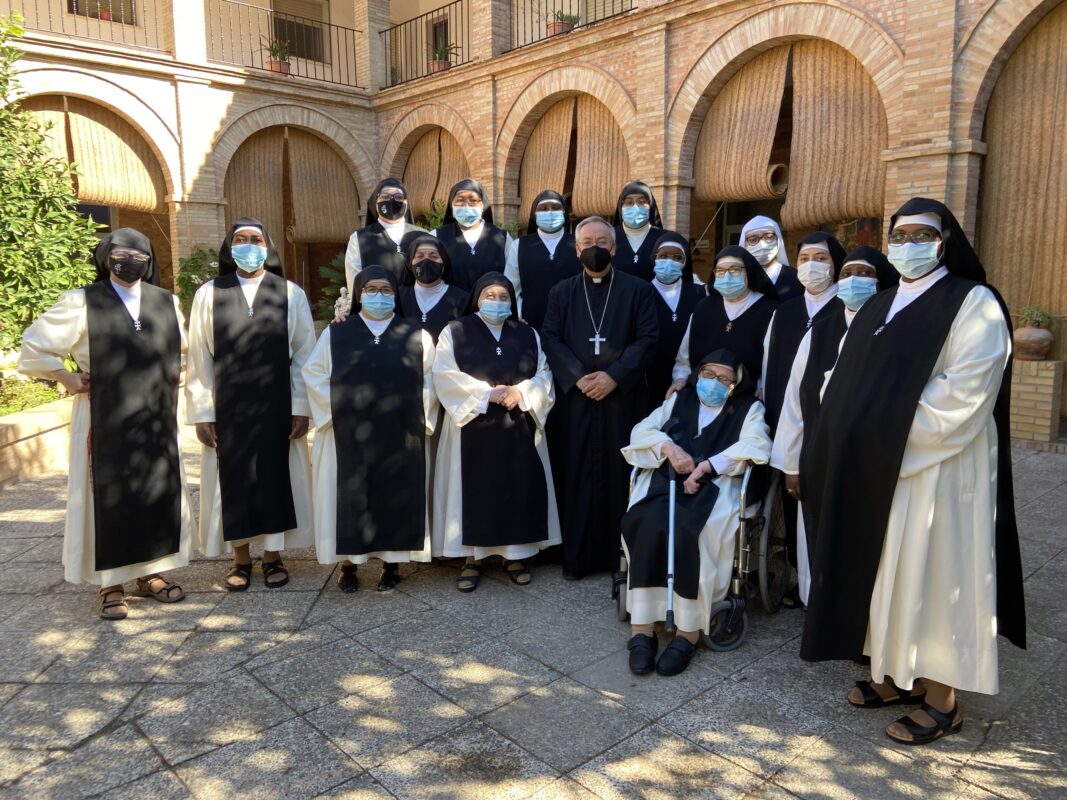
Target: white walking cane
<point>669,622</point>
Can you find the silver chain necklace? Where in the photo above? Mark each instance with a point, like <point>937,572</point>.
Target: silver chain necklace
<point>597,339</point>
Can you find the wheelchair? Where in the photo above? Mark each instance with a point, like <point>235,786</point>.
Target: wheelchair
<point>761,562</point>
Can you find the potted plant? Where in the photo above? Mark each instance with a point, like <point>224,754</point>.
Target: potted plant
<point>562,23</point>
<point>1033,337</point>
<point>104,14</point>
<point>441,57</point>
<point>278,55</point>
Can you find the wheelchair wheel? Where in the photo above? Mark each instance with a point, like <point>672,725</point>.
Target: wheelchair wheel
<point>719,637</point>
<point>618,591</point>
<point>774,569</point>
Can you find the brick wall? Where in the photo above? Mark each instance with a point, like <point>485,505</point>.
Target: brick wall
<point>1036,388</point>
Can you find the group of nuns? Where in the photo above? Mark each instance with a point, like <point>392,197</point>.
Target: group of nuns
<point>874,385</point>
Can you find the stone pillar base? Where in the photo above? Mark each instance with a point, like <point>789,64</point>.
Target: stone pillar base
<point>1036,387</point>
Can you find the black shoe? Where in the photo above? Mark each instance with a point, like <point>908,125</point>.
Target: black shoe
<point>643,653</point>
<point>347,580</point>
<point>676,657</point>
<point>568,575</point>
<point>390,578</point>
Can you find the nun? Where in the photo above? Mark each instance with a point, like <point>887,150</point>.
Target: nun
<point>638,227</point>
<point>735,316</point>
<point>762,237</point>
<point>676,298</point>
<point>475,245</point>
<point>250,334</point>
<point>429,299</point>
<point>707,432</point>
<point>370,387</point>
<point>388,221</point>
<point>494,493</point>
<point>916,561</point>
<point>542,258</point>
<point>128,514</point>
<point>865,272</point>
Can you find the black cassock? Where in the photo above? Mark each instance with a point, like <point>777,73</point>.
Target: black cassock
<point>672,325</point>
<point>585,437</point>
<point>497,449</point>
<point>540,270</point>
<point>133,438</point>
<point>449,307</point>
<point>469,262</point>
<point>253,406</point>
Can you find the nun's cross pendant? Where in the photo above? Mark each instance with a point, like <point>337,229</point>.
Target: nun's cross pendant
<point>635,258</point>
<point>674,316</point>
<point>809,323</point>
<point>424,317</point>
<point>596,340</point>
<point>880,329</point>
<point>473,251</point>
<point>137,324</point>
<point>729,326</point>
<point>377,340</point>
<point>251,313</point>
<point>499,352</point>
<point>398,248</point>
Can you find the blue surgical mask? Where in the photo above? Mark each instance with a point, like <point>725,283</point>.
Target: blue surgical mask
<point>711,392</point>
<point>549,221</point>
<point>856,290</point>
<point>914,260</point>
<point>379,305</point>
<point>667,271</point>
<point>249,257</point>
<point>730,287</point>
<point>495,312</point>
<point>634,216</point>
<point>467,215</point>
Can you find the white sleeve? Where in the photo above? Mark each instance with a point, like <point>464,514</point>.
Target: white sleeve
<point>53,334</point>
<point>301,343</point>
<point>511,270</point>
<point>182,335</point>
<point>957,402</point>
<point>647,437</point>
<point>430,401</point>
<point>317,371</point>
<point>788,438</point>
<point>200,367</point>
<point>462,396</point>
<point>538,393</point>
<point>753,445</point>
<point>766,356</point>
<point>682,369</point>
<point>353,260</point>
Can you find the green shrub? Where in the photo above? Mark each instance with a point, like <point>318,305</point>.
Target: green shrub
<point>18,395</point>
<point>334,274</point>
<point>44,242</point>
<point>196,269</point>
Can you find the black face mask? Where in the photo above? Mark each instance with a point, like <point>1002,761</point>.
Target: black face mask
<point>392,209</point>
<point>595,258</point>
<point>126,269</point>
<point>427,270</point>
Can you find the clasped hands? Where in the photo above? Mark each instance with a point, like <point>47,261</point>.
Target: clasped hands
<point>684,465</point>
<point>507,396</point>
<point>596,385</point>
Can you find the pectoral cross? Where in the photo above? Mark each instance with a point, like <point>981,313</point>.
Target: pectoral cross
<point>423,316</point>
<point>674,316</point>
<point>880,329</point>
<point>499,352</point>
<point>472,250</point>
<point>596,340</point>
<point>729,326</point>
<point>809,323</point>
<point>137,324</point>
<point>251,313</point>
<point>635,258</point>
<point>377,340</point>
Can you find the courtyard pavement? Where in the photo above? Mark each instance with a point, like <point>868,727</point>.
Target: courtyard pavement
<point>505,693</point>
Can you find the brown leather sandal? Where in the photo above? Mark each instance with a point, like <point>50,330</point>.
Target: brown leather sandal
<point>242,571</point>
<point>113,609</point>
<point>272,568</point>
<point>165,594</point>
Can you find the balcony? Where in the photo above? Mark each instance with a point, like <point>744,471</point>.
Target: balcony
<point>429,43</point>
<point>130,23</point>
<point>534,21</point>
<point>260,38</point>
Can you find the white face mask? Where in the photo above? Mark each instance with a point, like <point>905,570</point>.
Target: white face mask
<point>815,276</point>
<point>764,253</point>
<point>914,260</point>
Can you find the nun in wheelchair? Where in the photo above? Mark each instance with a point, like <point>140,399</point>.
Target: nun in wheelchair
<point>704,436</point>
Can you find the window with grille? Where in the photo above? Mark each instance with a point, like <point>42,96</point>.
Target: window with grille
<point>122,11</point>
<point>302,24</point>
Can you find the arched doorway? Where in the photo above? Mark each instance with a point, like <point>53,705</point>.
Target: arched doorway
<point>302,190</point>
<point>436,164</point>
<point>797,134</point>
<point>119,180</point>
<point>577,149</point>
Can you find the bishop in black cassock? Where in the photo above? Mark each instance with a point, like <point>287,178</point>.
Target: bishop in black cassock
<point>599,332</point>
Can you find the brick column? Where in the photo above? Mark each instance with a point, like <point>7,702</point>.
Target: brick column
<point>490,28</point>
<point>372,63</point>
<point>648,152</point>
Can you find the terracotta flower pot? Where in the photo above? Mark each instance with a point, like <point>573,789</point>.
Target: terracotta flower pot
<point>105,14</point>
<point>555,28</point>
<point>439,65</point>
<point>1031,344</point>
<point>281,67</point>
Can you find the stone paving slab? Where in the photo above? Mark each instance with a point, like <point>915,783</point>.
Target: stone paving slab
<point>509,692</point>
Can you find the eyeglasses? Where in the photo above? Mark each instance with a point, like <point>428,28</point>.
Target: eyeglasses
<point>754,239</point>
<point>733,272</point>
<point>136,258</point>
<point>918,237</point>
<point>727,382</point>
<point>391,196</point>
<point>373,291</point>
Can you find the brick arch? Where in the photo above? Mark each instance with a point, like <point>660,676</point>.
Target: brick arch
<point>233,135</point>
<point>858,34</point>
<point>982,53</point>
<point>413,125</point>
<point>106,93</point>
<point>540,94</point>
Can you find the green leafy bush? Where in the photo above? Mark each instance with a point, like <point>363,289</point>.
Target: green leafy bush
<point>195,270</point>
<point>334,274</point>
<point>44,242</point>
<point>18,395</point>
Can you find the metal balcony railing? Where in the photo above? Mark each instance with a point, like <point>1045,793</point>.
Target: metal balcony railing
<point>257,37</point>
<point>536,20</point>
<point>430,43</point>
<point>132,23</point>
